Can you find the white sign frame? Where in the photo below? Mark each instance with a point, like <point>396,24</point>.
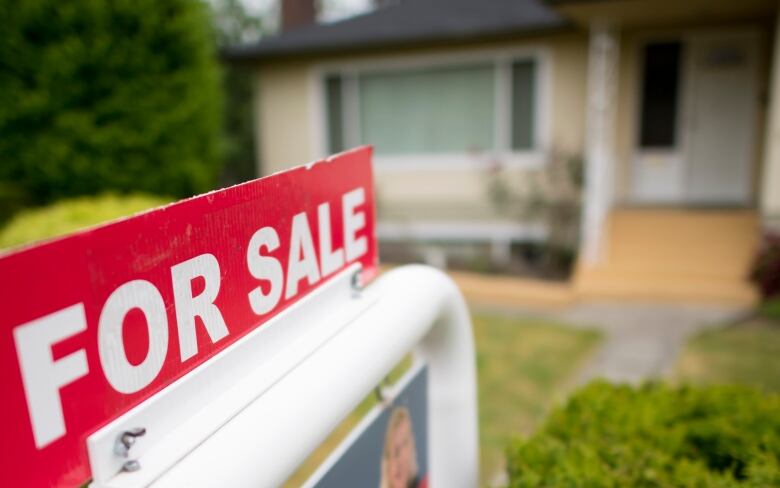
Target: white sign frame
<point>344,343</point>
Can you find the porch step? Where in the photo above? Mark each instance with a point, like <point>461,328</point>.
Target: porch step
<point>668,254</point>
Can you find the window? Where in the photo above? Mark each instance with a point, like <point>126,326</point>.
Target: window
<point>443,109</point>
<point>660,94</point>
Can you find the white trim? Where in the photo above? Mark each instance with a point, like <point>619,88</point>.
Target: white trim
<point>407,61</point>
<point>603,78</point>
<point>459,161</point>
<point>460,231</point>
<point>501,59</point>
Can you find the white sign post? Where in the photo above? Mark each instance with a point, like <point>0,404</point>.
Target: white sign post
<point>409,308</point>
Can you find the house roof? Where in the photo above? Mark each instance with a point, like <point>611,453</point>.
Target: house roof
<point>408,22</point>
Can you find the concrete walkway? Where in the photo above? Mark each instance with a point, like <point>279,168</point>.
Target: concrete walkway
<point>642,341</point>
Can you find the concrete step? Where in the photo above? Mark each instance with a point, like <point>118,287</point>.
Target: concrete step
<point>669,254</point>
<point>666,289</point>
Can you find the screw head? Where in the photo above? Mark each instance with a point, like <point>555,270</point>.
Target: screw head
<point>131,465</point>
<point>356,284</point>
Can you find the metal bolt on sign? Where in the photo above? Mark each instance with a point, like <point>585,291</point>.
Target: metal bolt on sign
<point>123,444</point>
<point>356,283</point>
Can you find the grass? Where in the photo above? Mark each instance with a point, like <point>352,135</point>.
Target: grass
<point>771,309</point>
<point>747,353</point>
<point>523,366</point>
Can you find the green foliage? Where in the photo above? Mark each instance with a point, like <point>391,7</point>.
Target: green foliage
<point>771,308</point>
<point>654,436</point>
<point>70,215</point>
<point>100,95</point>
<point>766,269</point>
<point>235,25</point>
<point>239,126</point>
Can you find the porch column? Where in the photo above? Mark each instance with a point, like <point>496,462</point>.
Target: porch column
<point>770,190</point>
<point>600,132</point>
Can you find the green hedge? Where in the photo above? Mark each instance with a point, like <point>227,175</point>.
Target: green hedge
<point>70,215</point>
<point>100,95</point>
<point>655,436</point>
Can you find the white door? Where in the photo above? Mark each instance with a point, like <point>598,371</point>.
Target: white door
<point>697,111</point>
<point>720,119</point>
<point>658,169</point>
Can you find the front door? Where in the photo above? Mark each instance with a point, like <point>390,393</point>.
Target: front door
<point>722,97</point>
<point>697,117</point>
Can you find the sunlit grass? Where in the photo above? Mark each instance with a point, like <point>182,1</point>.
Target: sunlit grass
<point>747,353</point>
<point>524,366</point>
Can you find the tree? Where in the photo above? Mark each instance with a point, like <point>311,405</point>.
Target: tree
<point>108,95</point>
<point>235,25</point>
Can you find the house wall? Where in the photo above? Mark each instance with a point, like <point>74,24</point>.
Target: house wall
<point>283,113</point>
<point>288,130</point>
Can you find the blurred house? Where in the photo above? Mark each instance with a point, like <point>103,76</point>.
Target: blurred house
<point>673,106</point>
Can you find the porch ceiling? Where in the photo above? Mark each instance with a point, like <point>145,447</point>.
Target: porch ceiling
<point>636,13</point>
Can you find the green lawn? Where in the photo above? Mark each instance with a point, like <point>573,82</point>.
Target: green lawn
<point>524,366</point>
<point>747,353</point>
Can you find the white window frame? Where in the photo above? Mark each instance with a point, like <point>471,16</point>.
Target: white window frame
<point>501,59</point>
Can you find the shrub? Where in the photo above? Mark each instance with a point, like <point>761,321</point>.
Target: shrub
<point>771,308</point>
<point>69,215</point>
<point>766,269</point>
<point>654,436</point>
<point>100,95</point>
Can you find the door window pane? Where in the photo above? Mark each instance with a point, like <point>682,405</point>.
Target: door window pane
<point>424,111</point>
<point>523,97</point>
<point>660,94</point>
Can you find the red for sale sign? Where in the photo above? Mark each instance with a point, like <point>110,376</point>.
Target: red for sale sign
<point>94,323</point>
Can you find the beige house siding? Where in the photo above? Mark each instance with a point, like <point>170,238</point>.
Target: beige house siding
<point>283,112</point>
<point>288,118</point>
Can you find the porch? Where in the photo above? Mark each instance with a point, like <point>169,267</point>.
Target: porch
<point>677,148</point>
<point>677,255</point>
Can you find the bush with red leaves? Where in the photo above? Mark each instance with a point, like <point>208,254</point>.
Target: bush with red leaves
<point>766,269</point>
